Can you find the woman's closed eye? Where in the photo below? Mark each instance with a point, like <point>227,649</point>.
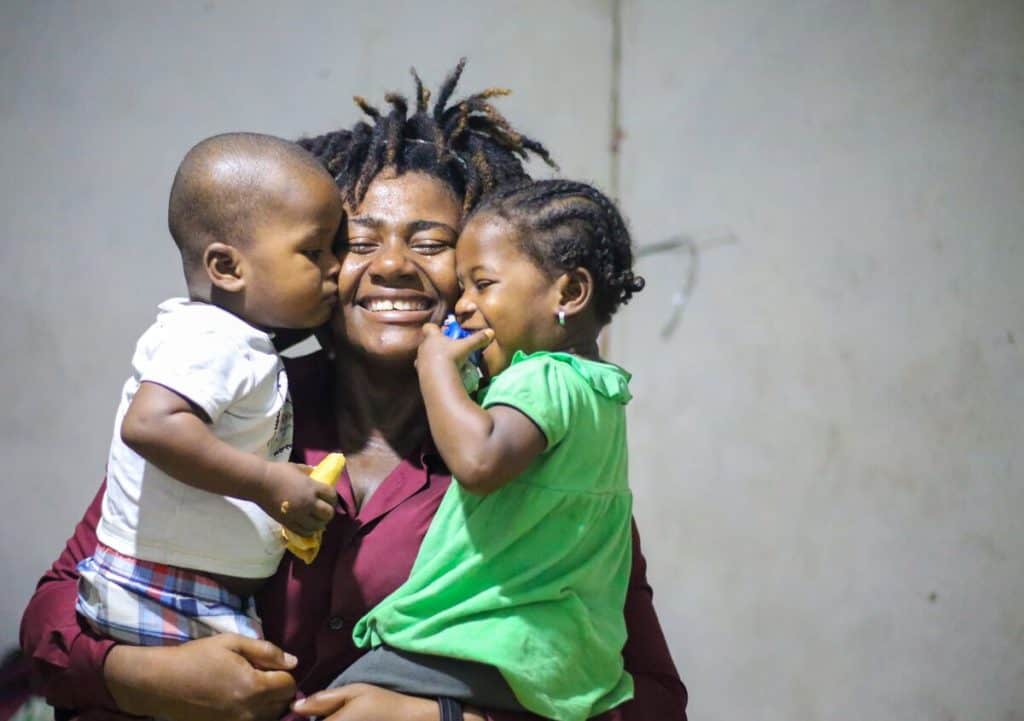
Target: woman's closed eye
<point>359,246</point>
<point>430,246</point>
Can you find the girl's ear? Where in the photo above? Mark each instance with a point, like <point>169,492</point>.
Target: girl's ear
<point>576,290</point>
<point>223,264</point>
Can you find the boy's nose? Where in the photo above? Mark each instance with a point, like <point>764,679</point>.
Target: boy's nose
<point>333,266</point>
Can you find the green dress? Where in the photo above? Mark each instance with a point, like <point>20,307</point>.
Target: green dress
<point>532,578</point>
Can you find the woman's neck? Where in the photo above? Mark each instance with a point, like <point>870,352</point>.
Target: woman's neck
<point>379,409</point>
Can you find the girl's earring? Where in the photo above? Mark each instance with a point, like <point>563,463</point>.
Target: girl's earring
<point>561,317</point>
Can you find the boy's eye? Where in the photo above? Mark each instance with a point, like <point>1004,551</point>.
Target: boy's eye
<point>313,255</point>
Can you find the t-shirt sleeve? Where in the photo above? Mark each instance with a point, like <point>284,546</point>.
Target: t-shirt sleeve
<point>205,367</point>
<point>543,389</point>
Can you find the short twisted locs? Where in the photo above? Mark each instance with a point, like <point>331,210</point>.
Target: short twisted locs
<point>469,145</point>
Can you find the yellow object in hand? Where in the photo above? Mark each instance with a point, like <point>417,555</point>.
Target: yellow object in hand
<point>306,547</point>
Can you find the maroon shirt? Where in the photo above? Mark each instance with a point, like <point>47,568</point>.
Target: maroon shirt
<point>309,611</point>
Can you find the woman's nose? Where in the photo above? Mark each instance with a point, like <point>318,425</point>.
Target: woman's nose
<point>391,260</point>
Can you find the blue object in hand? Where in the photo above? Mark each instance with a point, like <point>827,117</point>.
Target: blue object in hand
<point>452,329</point>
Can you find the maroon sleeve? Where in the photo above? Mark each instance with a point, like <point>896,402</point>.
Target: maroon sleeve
<point>659,693</point>
<point>66,659</point>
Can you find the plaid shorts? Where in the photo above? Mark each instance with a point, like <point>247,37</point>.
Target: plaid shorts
<point>152,604</point>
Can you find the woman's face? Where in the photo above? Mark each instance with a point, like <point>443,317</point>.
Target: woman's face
<point>397,266</point>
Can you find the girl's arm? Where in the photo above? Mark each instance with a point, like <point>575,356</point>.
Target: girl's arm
<point>483,448</point>
<point>224,678</point>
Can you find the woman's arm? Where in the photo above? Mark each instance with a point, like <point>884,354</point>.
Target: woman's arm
<point>226,677</point>
<point>659,692</point>
<point>67,661</point>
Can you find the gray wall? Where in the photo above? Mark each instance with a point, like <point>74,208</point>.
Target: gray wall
<point>827,445</point>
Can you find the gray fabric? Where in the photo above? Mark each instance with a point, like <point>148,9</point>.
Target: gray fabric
<point>432,676</point>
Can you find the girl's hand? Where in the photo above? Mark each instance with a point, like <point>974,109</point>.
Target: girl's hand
<point>436,348</point>
<point>221,678</point>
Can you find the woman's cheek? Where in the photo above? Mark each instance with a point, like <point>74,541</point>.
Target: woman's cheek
<point>441,272</point>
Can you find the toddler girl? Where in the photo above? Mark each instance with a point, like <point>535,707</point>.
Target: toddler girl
<point>516,597</point>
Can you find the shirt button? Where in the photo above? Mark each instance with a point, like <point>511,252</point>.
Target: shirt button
<point>336,623</point>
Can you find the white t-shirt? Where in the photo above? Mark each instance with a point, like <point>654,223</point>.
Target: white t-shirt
<point>232,371</point>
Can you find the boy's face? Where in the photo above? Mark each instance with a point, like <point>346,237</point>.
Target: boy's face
<point>289,265</point>
<point>504,290</point>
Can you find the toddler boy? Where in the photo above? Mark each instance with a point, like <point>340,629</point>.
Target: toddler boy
<point>196,495</point>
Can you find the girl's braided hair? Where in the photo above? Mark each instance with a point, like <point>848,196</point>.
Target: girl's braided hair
<point>564,224</point>
<point>469,146</point>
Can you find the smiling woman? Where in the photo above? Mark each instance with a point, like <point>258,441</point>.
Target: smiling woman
<point>407,182</point>
<point>399,267</point>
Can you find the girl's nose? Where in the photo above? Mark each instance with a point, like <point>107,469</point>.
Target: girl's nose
<point>464,307</point>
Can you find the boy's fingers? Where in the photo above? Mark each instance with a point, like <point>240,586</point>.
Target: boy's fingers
<point>430,329</point>
<point>327,493</point>
<point>323,511</point>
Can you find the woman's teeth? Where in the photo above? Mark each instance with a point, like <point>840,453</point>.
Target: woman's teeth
<point>378,305</point>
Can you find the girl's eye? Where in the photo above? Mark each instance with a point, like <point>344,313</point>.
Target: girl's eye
<point>483,283</point>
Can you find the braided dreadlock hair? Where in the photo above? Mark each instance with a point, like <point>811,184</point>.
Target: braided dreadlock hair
<point>564,224</point>
<point>469,146</point>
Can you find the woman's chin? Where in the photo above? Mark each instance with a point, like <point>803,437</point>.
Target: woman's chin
<point>387,345</point>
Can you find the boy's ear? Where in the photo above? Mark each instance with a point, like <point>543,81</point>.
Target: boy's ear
<point>223,264</point>
<point>576,290</point>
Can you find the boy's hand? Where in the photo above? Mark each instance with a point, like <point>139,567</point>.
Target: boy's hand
<point>295,500</point>
<point>437,348</point>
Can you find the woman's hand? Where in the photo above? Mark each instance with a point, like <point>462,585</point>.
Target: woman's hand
<point>222,678</point>
<point>363,702</point>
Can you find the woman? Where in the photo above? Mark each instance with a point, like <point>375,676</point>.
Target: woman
<point>407,182</point>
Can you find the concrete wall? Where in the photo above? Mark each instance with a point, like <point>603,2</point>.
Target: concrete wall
<point>827,444</point>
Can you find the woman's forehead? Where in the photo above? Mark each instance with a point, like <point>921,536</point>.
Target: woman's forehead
<point>408,198</point>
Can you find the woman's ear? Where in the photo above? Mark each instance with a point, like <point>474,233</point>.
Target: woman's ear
<point>576,290</point>
<point>223,264</point>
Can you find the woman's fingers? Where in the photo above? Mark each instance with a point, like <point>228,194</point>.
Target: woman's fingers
<point>324,702</point>
<point>262,655</point>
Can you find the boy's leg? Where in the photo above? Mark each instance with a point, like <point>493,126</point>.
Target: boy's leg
<point>432,676</point>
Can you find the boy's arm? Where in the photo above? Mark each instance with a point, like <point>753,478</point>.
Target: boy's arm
<point>166,429</point>
<point>483,448</point>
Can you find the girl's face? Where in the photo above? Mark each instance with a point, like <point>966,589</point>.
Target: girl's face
<point>504,290</point>
<point>397,266</point>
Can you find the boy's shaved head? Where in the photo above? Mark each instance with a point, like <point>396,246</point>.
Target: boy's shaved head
<point>228,183</point>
